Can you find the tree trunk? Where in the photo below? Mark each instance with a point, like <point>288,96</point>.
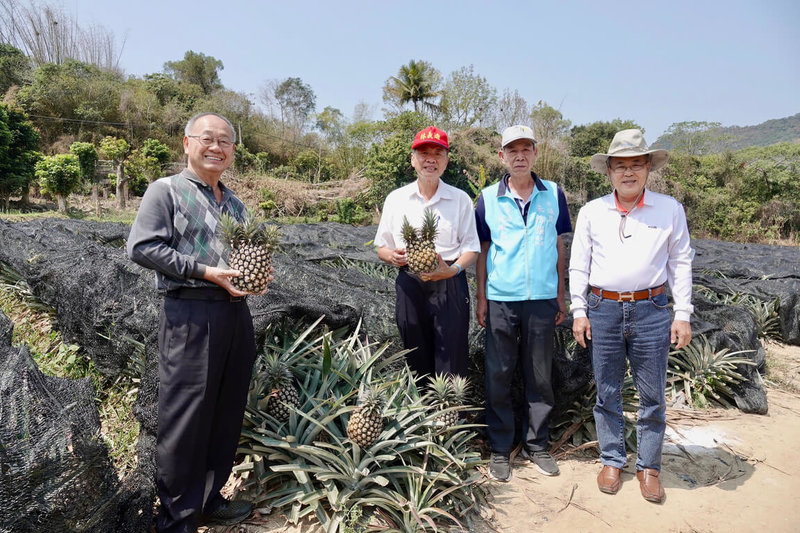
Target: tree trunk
<point>120,186</point>
<point>96,198</point>
<point>62,203</point>
<point>26,195</point>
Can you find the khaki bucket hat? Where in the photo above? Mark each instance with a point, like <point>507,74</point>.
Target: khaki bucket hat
<point>629,143</point>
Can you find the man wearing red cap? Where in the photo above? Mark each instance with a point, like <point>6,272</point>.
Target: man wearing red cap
<point>432,308</point>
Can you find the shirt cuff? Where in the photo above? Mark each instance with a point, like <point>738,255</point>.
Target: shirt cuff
<point>683,315</point>
<point>579,313</point>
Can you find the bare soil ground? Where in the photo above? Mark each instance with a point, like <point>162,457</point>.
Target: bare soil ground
<point>723,470</point>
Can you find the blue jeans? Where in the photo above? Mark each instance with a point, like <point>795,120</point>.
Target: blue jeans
<point>638,331</point>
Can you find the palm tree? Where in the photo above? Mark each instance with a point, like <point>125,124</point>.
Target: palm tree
<point>417,83</point>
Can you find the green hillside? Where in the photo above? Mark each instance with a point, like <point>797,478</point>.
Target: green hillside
<point>706,138</point>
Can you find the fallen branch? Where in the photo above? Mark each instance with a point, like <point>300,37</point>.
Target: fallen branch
<point>567,434</point>
<point>752,459</point>
<point>581,507</point>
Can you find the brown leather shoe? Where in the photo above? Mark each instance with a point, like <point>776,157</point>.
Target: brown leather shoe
<point>608,479</point>
<point>650,485</point>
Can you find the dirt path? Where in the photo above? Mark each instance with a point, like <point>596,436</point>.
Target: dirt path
<point>727,472</point>
<point>722,471</point>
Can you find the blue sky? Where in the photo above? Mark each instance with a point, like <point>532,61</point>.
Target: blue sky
<point>657,63</point>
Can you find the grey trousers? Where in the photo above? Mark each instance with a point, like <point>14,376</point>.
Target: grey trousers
<point>206,355</point>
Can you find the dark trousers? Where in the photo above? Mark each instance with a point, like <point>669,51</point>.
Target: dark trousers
<point>519,331</point>
<point>433,319</point>
<point>206,355</point>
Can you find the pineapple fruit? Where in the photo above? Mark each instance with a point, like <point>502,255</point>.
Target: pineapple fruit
<point>420,249</point>
<point>449,391</point>
<point>280,389</point>
<point>251,247</point>
<point>366,421</point>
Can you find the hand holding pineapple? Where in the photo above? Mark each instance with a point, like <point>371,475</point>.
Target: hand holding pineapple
<point>222,277</point>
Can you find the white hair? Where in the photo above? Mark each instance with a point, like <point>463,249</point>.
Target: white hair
<point>187,130</point>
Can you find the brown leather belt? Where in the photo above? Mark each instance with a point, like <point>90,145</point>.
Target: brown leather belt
<point>630,296</point>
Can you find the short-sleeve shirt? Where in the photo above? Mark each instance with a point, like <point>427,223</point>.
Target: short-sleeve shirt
<point>456,232</point>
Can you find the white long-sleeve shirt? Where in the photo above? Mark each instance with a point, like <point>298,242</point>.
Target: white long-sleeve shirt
<point>655,249</point>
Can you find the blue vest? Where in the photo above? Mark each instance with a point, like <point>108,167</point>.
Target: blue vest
<point>521,264</point>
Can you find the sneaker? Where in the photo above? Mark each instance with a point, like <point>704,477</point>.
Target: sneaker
<point>543,461</point>
<point>499,467</point>
<point>228,513</point>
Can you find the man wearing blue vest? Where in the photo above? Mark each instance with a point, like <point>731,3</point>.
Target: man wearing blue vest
<point>521,298</point>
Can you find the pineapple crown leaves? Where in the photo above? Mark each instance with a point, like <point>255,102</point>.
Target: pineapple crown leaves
<point>277,372</point>
<point>371,400</point>
<point>429,221</point>
<point>426,232</point>
<point>441,390</point>
<point>447,390</point>
<point>250,230</point>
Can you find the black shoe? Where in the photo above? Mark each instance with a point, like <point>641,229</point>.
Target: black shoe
<point>499,467</point>
<point>228,513</point>
<point>543,461</point>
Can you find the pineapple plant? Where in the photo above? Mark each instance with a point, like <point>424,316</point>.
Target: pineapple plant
<point>251,247</point>
<point>280,388</point>
<point>366,421</point>
<point>420,250</point>
<point>448,391</point>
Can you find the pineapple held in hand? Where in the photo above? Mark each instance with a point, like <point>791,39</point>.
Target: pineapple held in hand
<point>366,421</point>
<point>420,250</point>
<point>251,247</point>
<point>449,391</point>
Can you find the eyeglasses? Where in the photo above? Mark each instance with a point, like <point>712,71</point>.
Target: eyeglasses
<point>620,170</point>
<point>206,140</point>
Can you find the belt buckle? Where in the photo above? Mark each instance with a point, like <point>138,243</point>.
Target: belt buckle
<point>626,297</point>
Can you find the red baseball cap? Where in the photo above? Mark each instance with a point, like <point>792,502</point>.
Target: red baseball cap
<point>430,135</point>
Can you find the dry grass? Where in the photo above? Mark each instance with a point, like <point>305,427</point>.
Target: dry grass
<point>783,366</point>
<point>294,198</point>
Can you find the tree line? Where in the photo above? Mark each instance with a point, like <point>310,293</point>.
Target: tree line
<point>65,102</point>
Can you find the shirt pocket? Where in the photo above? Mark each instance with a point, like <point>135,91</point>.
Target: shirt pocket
<point>445,233</point>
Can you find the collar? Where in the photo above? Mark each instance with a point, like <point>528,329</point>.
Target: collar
<point>502,188</point>
<point>443,191</point>
<point>612,202</point>
<point>191,176</point>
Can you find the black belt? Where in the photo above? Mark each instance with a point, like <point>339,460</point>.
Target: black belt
<point>630,296</point>
<point>204,293</point>
<point>449,263</point>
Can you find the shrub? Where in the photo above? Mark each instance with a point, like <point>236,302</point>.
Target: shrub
<point>59,175</point>
<point>349,212</point>
<point>705,375</point>
<point>417,472</point>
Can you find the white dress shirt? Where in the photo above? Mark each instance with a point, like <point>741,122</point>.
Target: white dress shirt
<point>455,225</point>
<point>654,248</point>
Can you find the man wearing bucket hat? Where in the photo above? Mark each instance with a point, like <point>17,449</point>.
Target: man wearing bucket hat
<point>627,246</point>
<point>431,308</point>
<point>520,298</point>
